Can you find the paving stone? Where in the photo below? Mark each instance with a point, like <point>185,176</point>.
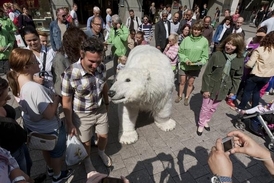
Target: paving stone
<point>260,172</point>
<point>134,164</point>
<point>195,169</point>
<point>240,173</point>
<point>163,177</point>
<point>127,151</point>
<point>184,178</point>
<point>139,177</point>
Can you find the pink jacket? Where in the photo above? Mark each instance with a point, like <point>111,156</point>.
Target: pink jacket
<point>172,54</point>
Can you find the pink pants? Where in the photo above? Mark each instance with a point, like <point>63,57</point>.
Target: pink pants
<point>209,106</point>
<point>262,91</point>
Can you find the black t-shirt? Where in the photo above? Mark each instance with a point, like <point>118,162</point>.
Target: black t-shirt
<point>203,13</point>
<point>12,135</point>
<point>217,13</point>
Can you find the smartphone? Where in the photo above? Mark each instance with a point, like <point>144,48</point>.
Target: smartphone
<point>228,143</point>
<point>112,180</point>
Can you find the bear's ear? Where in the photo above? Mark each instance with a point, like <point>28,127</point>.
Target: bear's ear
<point>146,74</point>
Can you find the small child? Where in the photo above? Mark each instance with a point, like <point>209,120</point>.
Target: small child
<point>122,63</point>
<point>171,50</point>
<point>131,39</point>
<point>140,40</point>
<point>259,108</point>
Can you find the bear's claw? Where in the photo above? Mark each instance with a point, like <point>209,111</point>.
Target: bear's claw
<point>128,137</point>
<point>166,126</point>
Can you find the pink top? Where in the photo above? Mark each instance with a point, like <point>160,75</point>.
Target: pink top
<point>172,53</point>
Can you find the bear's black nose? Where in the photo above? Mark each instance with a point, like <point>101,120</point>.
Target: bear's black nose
<point>111,93</point>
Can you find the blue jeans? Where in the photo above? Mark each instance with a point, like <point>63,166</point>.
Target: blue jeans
<point>23,159</point>
<point>252,87</point>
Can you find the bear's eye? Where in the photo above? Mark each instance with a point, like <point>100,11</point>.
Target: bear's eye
<point>127,80</point>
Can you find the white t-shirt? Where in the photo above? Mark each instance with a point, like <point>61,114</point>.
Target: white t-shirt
<point>34,99</point>
<point>48,82</point>
<point>269,23</point>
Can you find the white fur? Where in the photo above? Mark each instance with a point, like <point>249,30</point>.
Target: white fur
<point>145,84</point>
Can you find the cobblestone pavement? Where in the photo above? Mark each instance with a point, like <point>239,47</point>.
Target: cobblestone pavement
<point>176,156</point>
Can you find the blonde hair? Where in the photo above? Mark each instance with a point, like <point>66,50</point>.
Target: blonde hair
<point>173,37</point>
<point>121,58</point>
<point>42,33</point>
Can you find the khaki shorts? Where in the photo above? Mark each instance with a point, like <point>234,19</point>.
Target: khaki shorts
<point>191,73</point>
<point>84,122</point>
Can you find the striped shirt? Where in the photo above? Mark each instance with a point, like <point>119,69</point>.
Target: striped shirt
<point>85,88</point>
<point>147,29</point>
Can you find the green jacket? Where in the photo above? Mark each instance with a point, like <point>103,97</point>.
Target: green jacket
<point>8,25</point>
<point>118,39</point>
<point>212,78</point>
<point>194,49</point>
<point>6,39</point>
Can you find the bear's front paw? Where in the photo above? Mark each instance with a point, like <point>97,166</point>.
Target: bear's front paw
<point>166,126</point>
<point>128,137</point>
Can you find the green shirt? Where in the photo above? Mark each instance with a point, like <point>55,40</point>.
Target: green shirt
<point>8,25</point>
<point>118,39</point>
<point>6,39</point>
<point>194,49</point>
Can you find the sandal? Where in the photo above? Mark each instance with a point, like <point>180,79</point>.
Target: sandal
<point>178,99</point>
<point>186,102</point>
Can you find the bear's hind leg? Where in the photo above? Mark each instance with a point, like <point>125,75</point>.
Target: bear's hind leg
<point>162,118</point>
<point>127,118</point>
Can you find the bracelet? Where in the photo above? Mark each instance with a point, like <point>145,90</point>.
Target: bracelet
<point>17,179</point>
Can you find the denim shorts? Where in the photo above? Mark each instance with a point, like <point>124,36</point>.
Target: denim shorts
<point>60,147</point>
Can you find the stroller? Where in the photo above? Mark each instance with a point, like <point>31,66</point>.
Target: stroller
<point>258,117</point>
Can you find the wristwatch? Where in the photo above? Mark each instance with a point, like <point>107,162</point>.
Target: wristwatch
<point>17,179</point>
<point>221,179</point>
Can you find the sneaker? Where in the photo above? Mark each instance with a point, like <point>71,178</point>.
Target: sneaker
<point>230,102</point>
<point>178,99</point>
<point>106,159</point>
<point>50,172</point>
<point>186,102</point>
<point>40,178</point>
<point>64,175</point>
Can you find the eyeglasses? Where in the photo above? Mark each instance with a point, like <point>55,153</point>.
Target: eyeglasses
<point>145,19</point>
<point>64,15</point>
<point>97,24</point>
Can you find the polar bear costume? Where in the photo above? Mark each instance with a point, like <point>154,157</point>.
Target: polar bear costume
<point>145,84</point>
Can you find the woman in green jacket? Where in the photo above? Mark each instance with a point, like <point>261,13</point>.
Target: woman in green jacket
<point>221,78</point>
<point>193,54</point>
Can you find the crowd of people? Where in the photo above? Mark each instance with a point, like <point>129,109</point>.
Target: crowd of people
<point>70,72</point>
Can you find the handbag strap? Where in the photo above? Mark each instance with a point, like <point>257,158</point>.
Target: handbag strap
<point>44,61</point>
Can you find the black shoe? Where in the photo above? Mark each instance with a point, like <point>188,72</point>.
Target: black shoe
<point>64,175</point>
<point>207,128</point>
<point>40,178</point>
<point>199,133</point>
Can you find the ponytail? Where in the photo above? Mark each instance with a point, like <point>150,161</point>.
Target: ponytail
<point>12,77</point>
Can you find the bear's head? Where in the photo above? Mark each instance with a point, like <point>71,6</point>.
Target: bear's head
<point>129,86</point>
